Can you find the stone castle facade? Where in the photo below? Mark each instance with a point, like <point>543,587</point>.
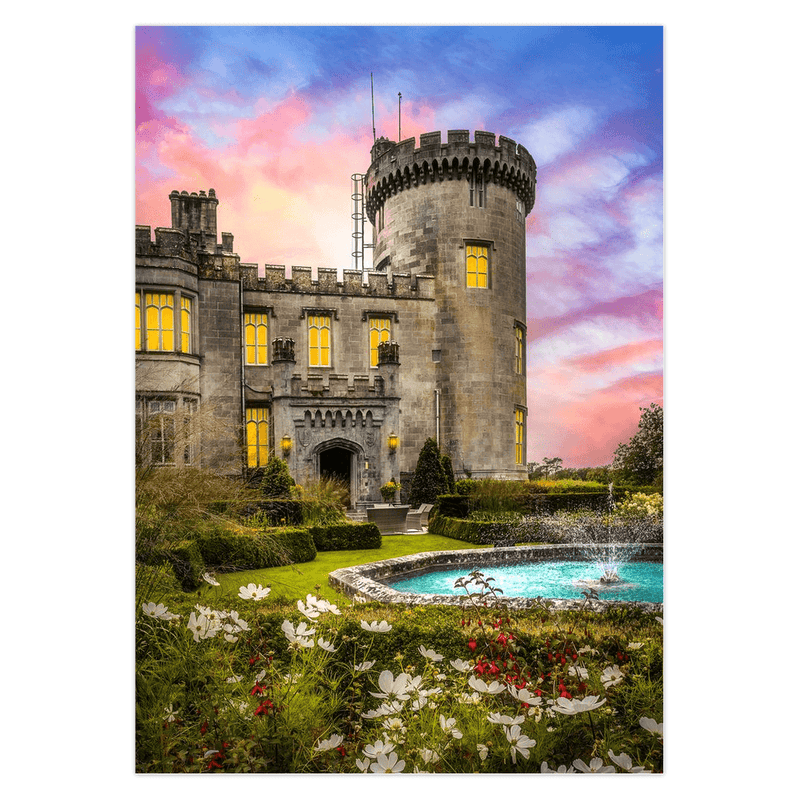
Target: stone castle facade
<point>347,375</point>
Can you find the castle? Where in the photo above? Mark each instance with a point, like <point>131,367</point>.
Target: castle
<point>347,376</point>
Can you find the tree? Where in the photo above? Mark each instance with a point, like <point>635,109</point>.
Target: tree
<point>277,481</point>
<point>552,465</point>
<point>447,465</point>
<point>429,477</point>
<point>641,460</point>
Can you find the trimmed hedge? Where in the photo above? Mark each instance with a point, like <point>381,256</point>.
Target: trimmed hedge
<point>453,505</point>
<point>274,512</point>
<point>187,564</point>
<point>567,501</point>
<point>469,530</point>
<point>229,550</point>
<point>346,536</point>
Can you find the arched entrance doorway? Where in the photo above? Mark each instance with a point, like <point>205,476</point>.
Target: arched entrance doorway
<point>340,462</point>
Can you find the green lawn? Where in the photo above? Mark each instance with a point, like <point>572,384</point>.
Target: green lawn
<point>294,582</point>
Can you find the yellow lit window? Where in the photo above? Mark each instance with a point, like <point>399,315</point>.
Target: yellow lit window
<point>379,331</point>
<point>477,266</point>
<point>160,320</point>
<point>319,341</point>
<point>257,430</point>
<point>255,339</point>
<point>519,420</point>
<point>186,325</point>
<point>519,350</point>
<point>138,321</point>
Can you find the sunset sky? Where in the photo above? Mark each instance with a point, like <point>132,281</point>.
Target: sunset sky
<point>277,119</point>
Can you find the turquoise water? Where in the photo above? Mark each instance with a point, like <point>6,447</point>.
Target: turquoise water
<point>642,581</point>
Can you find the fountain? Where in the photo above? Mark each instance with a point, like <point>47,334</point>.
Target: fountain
<point>625,559</point>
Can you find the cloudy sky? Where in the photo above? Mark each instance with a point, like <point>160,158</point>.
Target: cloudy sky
<point>277,119</point>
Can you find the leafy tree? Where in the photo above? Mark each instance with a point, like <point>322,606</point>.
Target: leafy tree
<point>277,482</point>
<point>447,465</point>
<point>641,460</point>
<point>552,465</point>
<point>429,477</point>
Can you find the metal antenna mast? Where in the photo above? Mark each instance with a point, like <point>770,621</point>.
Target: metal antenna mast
<point>399,103</point>
<point>372,94</point>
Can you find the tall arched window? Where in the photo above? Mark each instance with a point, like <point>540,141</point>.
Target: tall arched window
<point>255,339</point>
<point>319,341</point>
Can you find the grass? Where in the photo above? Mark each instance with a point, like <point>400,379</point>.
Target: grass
<point>295,581</point>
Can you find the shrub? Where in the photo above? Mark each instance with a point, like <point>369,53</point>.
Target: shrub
<point>357,536</point>
<point>227,549</point>
<point>277,482</point>
<point>473,531</point>
<point>271,513</point>
<point>187,563</point>
<point>642,505</point>
<point>297,542</point>
<point>323,501</point>
<point>429,479</point>
<point>465,486</point>
<point>453,505</point>
<point>447,466</point>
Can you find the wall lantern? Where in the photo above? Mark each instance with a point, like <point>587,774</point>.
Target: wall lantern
<point>286,445</point>
<point>392,442</point>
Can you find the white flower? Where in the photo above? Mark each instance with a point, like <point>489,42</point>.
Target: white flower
<point>503,719</point>
<point>580,672</point>
<point>449,726</point>
<point>651,725</point>
<point>310,611</point>
<point>520,742</point>
<point>326,645</point>
<point>388,763</point>
<point>229,637</point>
<point>473,699</point>
<point>301,631</point>
<point>363,765</point>
<point>158,611</point>
<point>562,770</point>
<point>209,578</point>
<point>612,676</point>
<point>524,696</point>
<point>240,623</point>
<point>394,725</point>
<point>233,679</point>
<point>635,645</point>
<point>329,744</point>
<point>483,751</point>
<point>391,687</point>
<point>364,666</point>
<point>170,714</point>
<point>209,753</point>
<point>253,592</point>
<point>461,665</point>
<point>595,765</point>
<point>376,627</point>
<point>201,627</point>
<point>624,760</point>
<point>431,654</point>
<point>429,756</point>
<point>660,619</point>
<point>576,706</point>
<point>480,686</point>
<point>380,747</point>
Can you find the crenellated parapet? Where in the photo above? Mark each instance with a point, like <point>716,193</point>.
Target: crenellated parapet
<point>336,388</point>
<point>398,167</point>
<point>353,283</point>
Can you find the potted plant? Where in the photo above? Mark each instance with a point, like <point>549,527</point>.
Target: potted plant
<point>389,490</point>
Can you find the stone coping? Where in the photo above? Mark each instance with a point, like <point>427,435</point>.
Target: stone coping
<point>366,579</point>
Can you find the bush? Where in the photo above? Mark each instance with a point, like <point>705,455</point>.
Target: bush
<point>429,477</point>
<point>473,531</point>
<point>465,486</point>
<point>277,482</point>
<point>640,504</point>
<point>324,501</point>
<point>187,563</point>
<point>228,550</point>
<point>447,466</point>
<point>453,505</point>
<point>358,536</point>
<point>297,542</point>
<point>271,513</point>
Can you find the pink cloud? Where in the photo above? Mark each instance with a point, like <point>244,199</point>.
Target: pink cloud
<point>626,354</point>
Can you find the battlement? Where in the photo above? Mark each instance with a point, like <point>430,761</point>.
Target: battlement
<point>277,278</point>
<point>337,387</point>
<point>194,245</point>
<point>398,166</point>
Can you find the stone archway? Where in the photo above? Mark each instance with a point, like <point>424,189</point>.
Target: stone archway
<point>340,458</point>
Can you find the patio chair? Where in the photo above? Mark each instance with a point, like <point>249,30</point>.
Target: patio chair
<point>418,518</point>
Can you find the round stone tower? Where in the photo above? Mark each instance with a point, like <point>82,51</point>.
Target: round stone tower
<point>456,210</point>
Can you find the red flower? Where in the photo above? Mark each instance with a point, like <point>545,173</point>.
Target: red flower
<point>565,693</point>
<point>472,644</point>
<point>257,689</point>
